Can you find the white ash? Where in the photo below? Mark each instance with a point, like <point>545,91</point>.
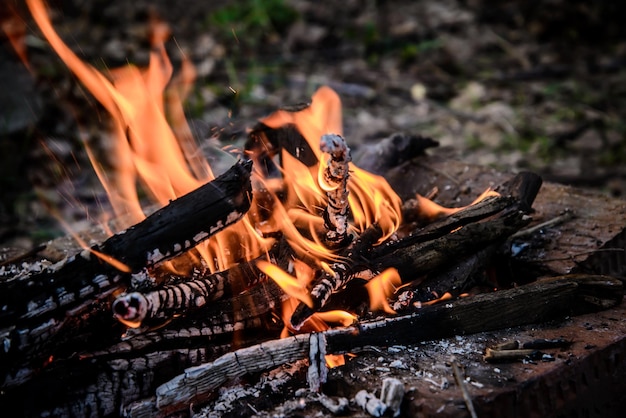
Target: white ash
<point>336,405</point>
<point>370,403</point>
<point>16,272</point>
<point>398,364</point>
<point>392,394</point>
<point>272,381</point>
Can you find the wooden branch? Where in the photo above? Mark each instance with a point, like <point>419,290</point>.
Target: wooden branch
<point>334,182</point>
<point>533,303</point>
<point>34,309</point>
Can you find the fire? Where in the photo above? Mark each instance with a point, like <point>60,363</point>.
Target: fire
<point>382,286</point>
<point>151,145</point>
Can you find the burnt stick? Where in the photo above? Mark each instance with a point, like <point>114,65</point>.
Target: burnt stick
<point>335,183</point>
<point>33,309</point>
<point>184,298</point>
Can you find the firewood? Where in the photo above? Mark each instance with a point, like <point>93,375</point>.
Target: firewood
<point>458,236</point>
<point>536,302</point>
<point>392,151</point>
<point>36,308</point>
<point>334,182</point>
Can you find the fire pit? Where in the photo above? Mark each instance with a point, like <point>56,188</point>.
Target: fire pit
<point>248,286</point>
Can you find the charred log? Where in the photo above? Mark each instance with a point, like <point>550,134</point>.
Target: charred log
<point>460,235</point>
<point>71,295</point>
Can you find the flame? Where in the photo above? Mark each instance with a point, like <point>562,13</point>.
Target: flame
<point>429,210</point>
<point>144,147</point>
<point>288,283</point>
<point>151,145</point>
<point>370,198</point>
<point>381,287</point>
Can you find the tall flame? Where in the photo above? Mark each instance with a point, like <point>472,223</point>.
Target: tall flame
<point>152,144</point>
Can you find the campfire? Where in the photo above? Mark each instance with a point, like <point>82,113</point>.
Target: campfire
<point>295,252</point>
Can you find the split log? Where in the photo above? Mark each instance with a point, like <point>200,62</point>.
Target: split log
<point>35,309</point>
<point>533,303</point>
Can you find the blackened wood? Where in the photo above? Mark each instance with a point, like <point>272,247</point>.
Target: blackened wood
<point>441,243</point>
<point>264,143</point>
<point>186,221</point>
<point>534,303</point>
<point>453,279</point>
<point>392,151</point>
<point>34,309</point>
<point>598,221</point>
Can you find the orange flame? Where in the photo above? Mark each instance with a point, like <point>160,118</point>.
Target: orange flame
<point>381,287</point>
<point>430,210</point>
<point>151,144</point>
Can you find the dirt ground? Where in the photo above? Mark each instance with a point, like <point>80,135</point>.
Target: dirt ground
<point>515,85</point>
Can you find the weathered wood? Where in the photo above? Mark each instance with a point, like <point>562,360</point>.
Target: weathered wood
<point>537,302</point>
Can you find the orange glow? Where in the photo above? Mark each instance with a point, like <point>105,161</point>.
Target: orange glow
<point>381,287</point>
<point>430,210</point>
<point>288,283</point>
<point>446,296</point>
<point>14,28</point>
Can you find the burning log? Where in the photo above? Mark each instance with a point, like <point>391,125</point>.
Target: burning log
<point>533,303</point>
<point>478,226</point>
<point>63,297</point>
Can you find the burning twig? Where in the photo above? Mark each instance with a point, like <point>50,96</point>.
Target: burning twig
<point>334,181</point>
<point>338,275</point>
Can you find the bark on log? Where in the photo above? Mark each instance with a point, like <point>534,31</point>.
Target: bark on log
<point>598,221</point>
<point>537,302</point>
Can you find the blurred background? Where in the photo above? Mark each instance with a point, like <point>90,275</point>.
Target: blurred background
<point>514,85</point>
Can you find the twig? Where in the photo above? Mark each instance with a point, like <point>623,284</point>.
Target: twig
<point>564,217</point>
<point>461,382</point>
<point>334,181</point>
<point>494,355</point>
